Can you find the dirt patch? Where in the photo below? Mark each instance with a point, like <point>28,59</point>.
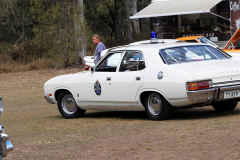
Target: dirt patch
<point>38,131</point>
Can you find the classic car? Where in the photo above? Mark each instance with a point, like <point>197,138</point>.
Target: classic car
<point>5,145</point>
<point>232,47</point>
<point>151,77</point>
<point>198,39</point>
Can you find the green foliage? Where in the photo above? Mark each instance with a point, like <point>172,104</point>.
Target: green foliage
<point>53,29</point>
<point>102,20</point>
<point>39,28</point>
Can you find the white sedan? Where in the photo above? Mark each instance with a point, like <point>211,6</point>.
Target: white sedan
<point>155,78</point>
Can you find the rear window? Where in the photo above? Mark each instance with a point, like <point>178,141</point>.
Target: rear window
<point>190,54</point>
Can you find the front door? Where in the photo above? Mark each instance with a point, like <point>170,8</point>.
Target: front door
<point>98,86</point>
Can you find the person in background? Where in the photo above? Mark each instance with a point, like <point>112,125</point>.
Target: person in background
<point>100,47</point>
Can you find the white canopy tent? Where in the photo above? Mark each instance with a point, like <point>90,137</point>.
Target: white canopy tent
<point>160,8</point>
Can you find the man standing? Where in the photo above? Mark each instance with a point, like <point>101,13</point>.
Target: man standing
<point>100,47</point>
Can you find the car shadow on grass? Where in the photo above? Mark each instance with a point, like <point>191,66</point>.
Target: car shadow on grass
<point>141,115</point>
<point>201,113</point>
<point>180,114</point>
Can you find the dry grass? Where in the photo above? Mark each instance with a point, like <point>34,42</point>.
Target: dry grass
<point>38,131</point>
<point>14,66</point>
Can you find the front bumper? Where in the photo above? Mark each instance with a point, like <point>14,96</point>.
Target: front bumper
<point>6,146</point>
<point>48,99</point>
<point>211,94</point>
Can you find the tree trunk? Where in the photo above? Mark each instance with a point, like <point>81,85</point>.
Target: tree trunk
<point>81,39</point>
<point>133,25</point>
<point>114,10</point>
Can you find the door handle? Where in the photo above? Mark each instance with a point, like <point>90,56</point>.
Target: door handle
<point>138,78</point>
<point>108,78</point>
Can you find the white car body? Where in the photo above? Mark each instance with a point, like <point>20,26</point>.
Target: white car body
<point>127,91</point>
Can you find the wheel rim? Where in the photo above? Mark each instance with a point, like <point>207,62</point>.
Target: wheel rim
<point>154,104</point>
<point>68,104</point>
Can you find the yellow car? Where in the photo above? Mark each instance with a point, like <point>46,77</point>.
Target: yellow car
<point>231,46</point>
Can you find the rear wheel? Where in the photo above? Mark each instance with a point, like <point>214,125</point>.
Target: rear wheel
<point>225,106</point>
<point>156,107</point>
<point>68,107</point>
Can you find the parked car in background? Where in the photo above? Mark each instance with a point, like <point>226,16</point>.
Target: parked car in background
<point>198,39</point>
<point>5,145</point>
<point>232,47</point>
<point>89,60</point>
<point>155,78</point>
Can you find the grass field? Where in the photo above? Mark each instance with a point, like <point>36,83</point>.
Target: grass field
<point>38,131</point>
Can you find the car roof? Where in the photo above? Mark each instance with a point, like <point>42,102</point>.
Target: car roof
<point>153,47</point>
<point>159,41</point>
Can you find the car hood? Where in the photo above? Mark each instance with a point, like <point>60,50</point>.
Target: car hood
<point>66,79</point>
<point>216,70</point>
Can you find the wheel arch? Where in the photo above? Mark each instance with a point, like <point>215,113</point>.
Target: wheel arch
<point>145,92</point>
<point>58,91</point>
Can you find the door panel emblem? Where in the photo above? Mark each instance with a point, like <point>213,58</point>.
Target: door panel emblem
<point>97,88</point>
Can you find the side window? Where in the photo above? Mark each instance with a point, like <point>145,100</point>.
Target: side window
<point>109,63</point>
<point>132,61</point>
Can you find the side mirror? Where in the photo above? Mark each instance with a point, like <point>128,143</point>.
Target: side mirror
<point>92,69</point>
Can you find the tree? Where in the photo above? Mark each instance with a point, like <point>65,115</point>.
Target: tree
<point>132,25</point>
<point>114,8</point>
<point>80,32</point>
<point>106,17</point>
<point>59,29</point>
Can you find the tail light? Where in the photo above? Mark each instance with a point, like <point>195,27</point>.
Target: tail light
<point>199,85</point>
<point>87,67</point>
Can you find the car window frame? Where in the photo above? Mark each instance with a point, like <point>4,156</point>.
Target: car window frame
<point>125,52</point>
<point>111,52</point>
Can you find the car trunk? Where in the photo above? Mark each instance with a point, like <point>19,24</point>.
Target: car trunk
<point>218,71</point>
<point>88,59</point>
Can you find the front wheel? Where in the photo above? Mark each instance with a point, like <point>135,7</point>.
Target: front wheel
<point>68,107</point>
<point>225,106</point>
<point>156,107</point>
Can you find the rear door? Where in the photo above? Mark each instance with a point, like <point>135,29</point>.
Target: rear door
<point>129,78</point>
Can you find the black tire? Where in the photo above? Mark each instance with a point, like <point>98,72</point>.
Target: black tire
<point>225,106</point>
<point>68,107</point>
<point>156,107</point>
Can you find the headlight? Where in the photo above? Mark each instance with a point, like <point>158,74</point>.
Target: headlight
<point>1,106</point>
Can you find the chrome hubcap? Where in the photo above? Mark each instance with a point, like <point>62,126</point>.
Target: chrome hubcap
<point>154,104</point>
<point>68,104</point>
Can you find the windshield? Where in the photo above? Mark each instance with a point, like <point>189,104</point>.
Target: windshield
<point>190,54</point>
<point>205,40</point>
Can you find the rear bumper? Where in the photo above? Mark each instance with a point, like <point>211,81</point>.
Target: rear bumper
<point>48,99</point>
<point>212,94</point>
